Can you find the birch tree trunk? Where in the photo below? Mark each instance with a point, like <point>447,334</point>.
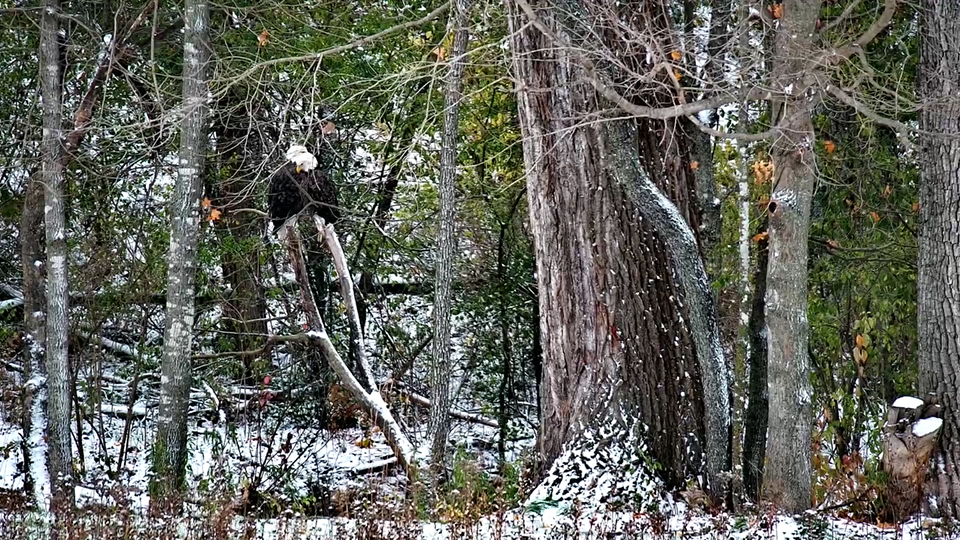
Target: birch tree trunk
<point>787,475</point>
<point>938,273</point>
<point>170,446</point>
<point>439,426</point>
<point>59,441</point>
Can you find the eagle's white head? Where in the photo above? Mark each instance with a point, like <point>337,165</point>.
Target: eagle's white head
<point>304,160</point>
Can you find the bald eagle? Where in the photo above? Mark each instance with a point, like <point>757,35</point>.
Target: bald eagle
<point>297,186</point>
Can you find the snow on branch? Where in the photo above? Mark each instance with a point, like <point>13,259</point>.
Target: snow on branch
<point>371,401</point>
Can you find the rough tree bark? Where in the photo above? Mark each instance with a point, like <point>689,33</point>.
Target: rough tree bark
<point>618,353</point>
<point>58,323</point>
<point>170,446</point>
<point>938,273</point>
<point>439,424</point>
<point>787,475</point>
<point>238,146</point>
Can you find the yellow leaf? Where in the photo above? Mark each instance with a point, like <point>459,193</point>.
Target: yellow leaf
<point>206,202</point>
<point>364,443</point>
<point>761,236</point>
<point>677,75</point>
<point>694,165</point>
<point>263,38</point>
<point>676,55</point>
<point>214,214</point>
<point>861,341</point>
<point>829,146</point>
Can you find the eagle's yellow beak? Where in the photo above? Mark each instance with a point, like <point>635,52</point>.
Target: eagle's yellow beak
<point>298,169</point>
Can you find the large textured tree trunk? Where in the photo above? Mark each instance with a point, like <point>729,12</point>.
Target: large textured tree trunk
<point>787,476</point>
<point>439,425</point>
<point>621,363</point>
<point>58,322</point>
<point>170,446</point>
<point>938,276</point>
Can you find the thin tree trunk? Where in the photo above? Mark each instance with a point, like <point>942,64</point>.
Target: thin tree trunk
<point>58,322</point>
<point>439,425</point>
<point>35,340</point>
<point>787,475</point>
<point>755,417</point>
<point>938,273</point>
<point>170,446</point>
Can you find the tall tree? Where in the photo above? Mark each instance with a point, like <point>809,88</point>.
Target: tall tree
<point>58,323</point>
<point>439,427</point>
<point>787,477</point>
<point>614,254</point>
<point>938,277</point>
<point>170,446</point>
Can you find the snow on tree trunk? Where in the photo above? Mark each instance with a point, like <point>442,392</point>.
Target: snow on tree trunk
<point>439,423</point>
<point>34,333</point>
<point>170,446</point>
<point>618,350</point>
<point>938,272</point>
<point>59,451</point>
<point>787,475</point>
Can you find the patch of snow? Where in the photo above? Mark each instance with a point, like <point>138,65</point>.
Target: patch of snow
<point>908,402</point>
<point>926,426</point>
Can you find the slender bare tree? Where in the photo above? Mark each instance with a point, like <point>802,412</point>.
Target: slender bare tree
<point>439,426</point>
<point>170,447</point>
<point>58,323</point>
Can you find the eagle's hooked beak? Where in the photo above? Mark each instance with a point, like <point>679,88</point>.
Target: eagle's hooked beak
<point>298,169</point>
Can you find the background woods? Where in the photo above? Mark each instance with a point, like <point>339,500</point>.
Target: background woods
<point>698,246</point>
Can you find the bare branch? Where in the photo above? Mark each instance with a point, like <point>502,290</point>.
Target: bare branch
<point>900,128</point>
<point>333,50</point>
<point>889,8</point>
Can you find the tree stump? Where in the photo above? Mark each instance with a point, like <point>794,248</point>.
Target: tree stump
<point>909,439</point>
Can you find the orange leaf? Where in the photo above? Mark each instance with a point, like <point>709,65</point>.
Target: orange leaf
<point>694,165</point>
<point>776,10</point>
<point>886,191</point>
<point>829,146</point>
<point>677,75</point>
<point>761,236</point>
<point>206,202</point>
<point>875,216</point>
<point>676,55</point>
<point>861,341</point>
<point>263,38</point>
<point>214,214</point>
<point>439,53</point>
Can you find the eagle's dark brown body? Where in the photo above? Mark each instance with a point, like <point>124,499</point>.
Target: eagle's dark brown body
<point>290,192</point>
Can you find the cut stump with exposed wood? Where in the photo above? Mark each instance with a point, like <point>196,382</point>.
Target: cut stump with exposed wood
<point>909,439</point>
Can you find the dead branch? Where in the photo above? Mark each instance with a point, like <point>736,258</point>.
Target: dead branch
<point>371,402</point>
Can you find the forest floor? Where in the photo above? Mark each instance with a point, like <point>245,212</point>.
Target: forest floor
<point>267,476</point>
